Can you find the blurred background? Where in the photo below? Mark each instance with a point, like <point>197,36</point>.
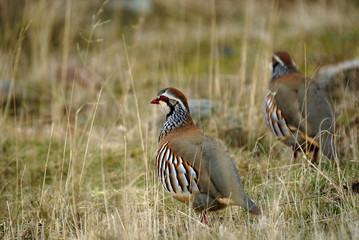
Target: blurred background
<point>78,135</point>
<point>209,45</point>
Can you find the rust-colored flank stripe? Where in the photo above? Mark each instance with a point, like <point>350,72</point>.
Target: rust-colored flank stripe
<point>185,164</point>
<point>196,180</point>
<point>279,125</point>
<point>273,126</point>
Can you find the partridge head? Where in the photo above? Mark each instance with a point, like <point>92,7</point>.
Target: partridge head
<point>192,167</point>
<point>297,111</point>
<point>282,64</point>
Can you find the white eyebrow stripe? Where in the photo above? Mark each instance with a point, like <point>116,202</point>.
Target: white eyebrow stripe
<point>171,96</point>
<point>294,64</point>
<point>278,60</point>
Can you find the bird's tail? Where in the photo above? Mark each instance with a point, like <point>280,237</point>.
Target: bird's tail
<point>327,145</point>
<point>241,198</point>
<point>249,205</point>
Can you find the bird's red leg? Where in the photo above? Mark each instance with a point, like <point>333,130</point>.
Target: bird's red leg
<point>203,218</point>
<point>295,153</point>
<point>315,155</point>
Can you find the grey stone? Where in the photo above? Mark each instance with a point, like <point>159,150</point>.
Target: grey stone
<point>4,90</point>
<point>204,109</point>
<point>137,6</point>
<point>329,75</point>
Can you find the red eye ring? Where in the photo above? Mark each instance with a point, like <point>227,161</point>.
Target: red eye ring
<point>163,98</point>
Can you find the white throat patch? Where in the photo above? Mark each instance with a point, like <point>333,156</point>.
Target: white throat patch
<point>164,108</point>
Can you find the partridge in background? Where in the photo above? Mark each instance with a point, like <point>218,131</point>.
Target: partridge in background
<point>297,111</point>
<point>192,167</point>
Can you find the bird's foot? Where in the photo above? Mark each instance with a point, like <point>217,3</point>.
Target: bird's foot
<point>315,155</point>
<point>295,153</point>
<point>203,218</point>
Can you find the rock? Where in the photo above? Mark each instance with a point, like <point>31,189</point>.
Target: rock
<point>204,109</point>
<point>81,75</point>
<point>347,72</point>
<point>4,91</point>
<point>133,10</point>
<point>137,6</point>
<point>15,95</point>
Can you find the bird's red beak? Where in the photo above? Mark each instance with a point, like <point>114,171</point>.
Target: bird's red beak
<point>155,101</point>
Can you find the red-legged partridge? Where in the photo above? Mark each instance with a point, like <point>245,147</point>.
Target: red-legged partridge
<point>297,111</point>
<point>194,168</point>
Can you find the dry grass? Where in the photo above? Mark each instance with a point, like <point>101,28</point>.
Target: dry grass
<point>77,159</point>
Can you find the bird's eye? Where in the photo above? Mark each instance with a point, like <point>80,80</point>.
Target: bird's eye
<point>163,98</point>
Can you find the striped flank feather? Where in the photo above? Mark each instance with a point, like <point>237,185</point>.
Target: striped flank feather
<point>275,120</point>
<point>176,174</point>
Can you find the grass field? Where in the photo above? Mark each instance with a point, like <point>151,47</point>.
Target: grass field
<point>78,135</point>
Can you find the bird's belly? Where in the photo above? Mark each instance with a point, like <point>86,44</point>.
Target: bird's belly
<point>176,175</point>
<point>185,198</point>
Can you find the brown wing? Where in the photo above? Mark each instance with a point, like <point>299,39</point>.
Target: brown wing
<point>313,120</point>
<point>320,117</point>
<point>286,97</point>
<point>218,175</point>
